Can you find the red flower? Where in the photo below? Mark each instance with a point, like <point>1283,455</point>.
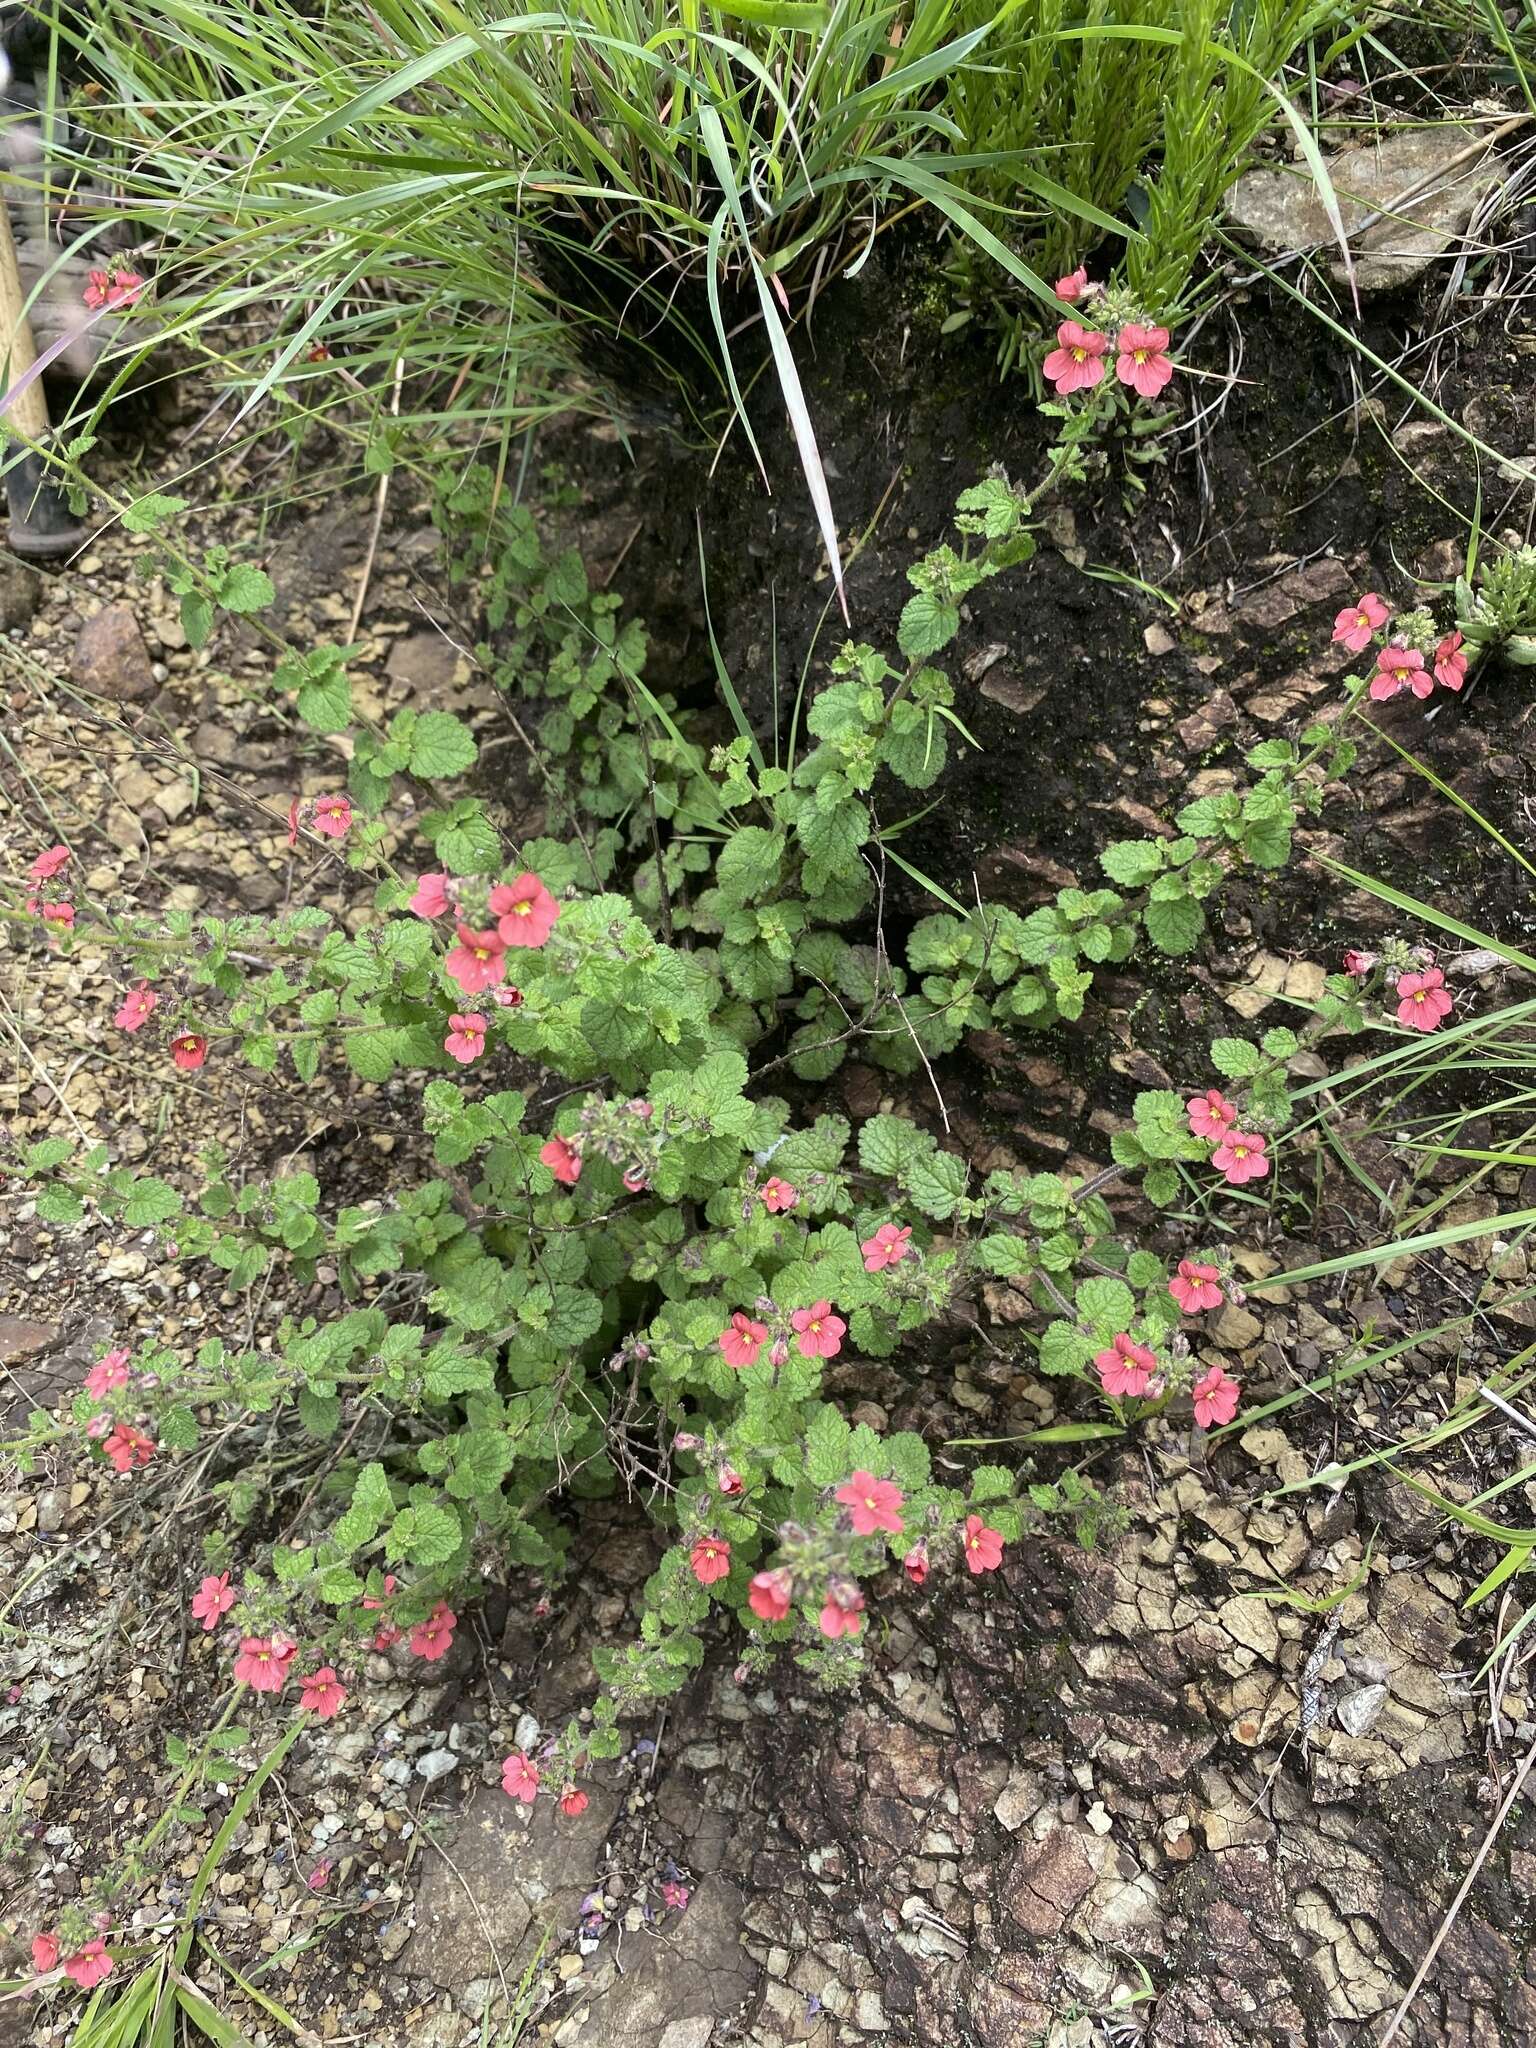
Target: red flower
<point>710,1558</point>
<point>1358,621</point>
<point>323,1694</point>
<point>466,1037</point>
<point>136,1008</point>
<point>887,1247</point>
<point>88,1965</point>
<point>729,1481</point>
<point>433,1638</point>
<point>431,898</point>
<point>871,1503</point>
<point>1450,662</point>
<point>1399,668</point>
<point>53,913</point>
<point>562,1159</point>
<point>520,1777</point>
<point>114,289</point>
<point>1424,1002</point>
<point>1194,1287</point>
<point>45,1952</point>
<point>127,1447</point>
<point>1073,285</point>
<point>1358,964</point>
<point>370,1602</point>
<point>983,1546</point>
<point>1142,361</point>
<point>635,1181</point>
<point>573,1802</point>
<point>212,1601</point>
<point>1211,1115</point>
<point>843,1613</point>
<point>1077,363</point>
<point>260,1664</point>
<point>776,1195</point>
<point>743,1340</point>
<point>48,864</point>
<point>478,961</point>
<point>188,1051</point>
<point>524,910</point>
<point>1241,1156</point>
<point>1215,1398</point>
<point>1125,1368</point>
<point>820,1332</point>
<point>768,1595</point>
<point>915,1563</point>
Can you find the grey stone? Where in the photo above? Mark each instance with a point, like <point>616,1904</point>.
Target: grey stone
<point>21,592</point>
<point>436,1763</point>
<point>1414,178</point>
<point>677,1991</point>
<point>1359,1710</point>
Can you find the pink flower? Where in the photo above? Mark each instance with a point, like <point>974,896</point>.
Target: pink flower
<point>843,1613</point>
<point>127,1447</point>
<point>320,1876</point>
<point>1358,621</point>
<point>45,1953</point>
<point>768,1595</point>
<point>1142,361</point>
<point>520,1777</point>
<point>136,1008</point>
<point>1077,364</point>
<point>370,1601</point>
<point>729,1481</point>
<point>507,998</point>
<point>1450,662</point>
<point>524,910</point>
<point>1072,287</point>
<point>466,1037</point>
<point>433,1638</point>
<point>1399,668</point>
<point>478,961</point>
<point>675,1895</point>
<point>109,1372</point>
<point>820,1332</point>
<point>332,817</point>
<point>776,1195</point>
<point>887,1247</point>
<point>53,913</point>
<point>573,1802</point>
<point>260,1664</point>
<point>1358,964</point>
<point>112,288</point>
<point>983,1546</point>
<point>385,1636</point>
<point>88,1965</point>
<point>431,898</point>
<point>1423,1000</point>
<point>1125,1368</point>
<point>915,1563</point>
<point>212,1601</point>
<point>48,864</point>
<point>1241,1156</point>
<point>871,1503</point>
<point>710,1558</point>
<point>1215,1398</point>
<point>562,1159</point>
<point>1194,1287</point>
<point>323,1694</point>
<point>635,1182</point>
<point>188,1051</point>
<point>743,1340</point>
<point>1211,1115</point>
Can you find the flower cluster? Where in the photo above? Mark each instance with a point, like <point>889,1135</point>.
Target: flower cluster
<point>86,1965</point>
<point>1238,1156</point>
<point>1416,655</point>
<point>1418,998</point>
<point>815,1332</point>
<point>1080,357</point>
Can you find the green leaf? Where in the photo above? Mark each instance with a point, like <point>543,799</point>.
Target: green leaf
<point>928,622</point>
<point>1236,1058</point>
<point>1280,1043</point>
<point>1106,1302</point>
<point>59,1204</point>
<point>245,588</point>
<point>936,1184</point>
<point>1174,926</point>
<point>196,618</point>
<point>371,1054</point>
<point>154,510</point>
<point>151,1201</point>
<point>1132,862</point>
<point>826,1447</point>
<point>890,1145</point>
<point>441,745</point>
<point>325,702</point>
<point>749,865</point>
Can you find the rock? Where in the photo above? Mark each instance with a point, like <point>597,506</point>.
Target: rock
<point>1046,1882</point>
<point>522,1876</point>
<point>1414,176</point>
<point>110,656</point>
<point>1004,686</point>
<point>1236,1328</point>
<point>436,1763</point>
<point>1157,639</point>
<point>678,1989</point>
<point>21,592</point>
<point>1359,1710</point>
<point>426,662</point>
